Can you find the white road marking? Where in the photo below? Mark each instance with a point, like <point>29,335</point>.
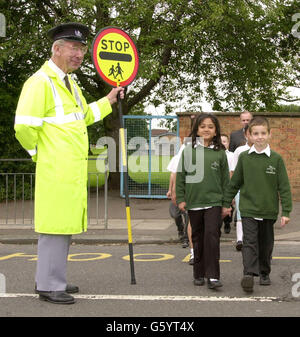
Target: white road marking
<point>157,298</point>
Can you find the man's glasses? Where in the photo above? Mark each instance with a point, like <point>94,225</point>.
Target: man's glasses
<point>76,49</point>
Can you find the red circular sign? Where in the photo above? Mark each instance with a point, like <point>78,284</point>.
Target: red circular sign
<point>115,57</point>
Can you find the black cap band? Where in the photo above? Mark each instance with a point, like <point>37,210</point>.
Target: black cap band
<point>70,31</point>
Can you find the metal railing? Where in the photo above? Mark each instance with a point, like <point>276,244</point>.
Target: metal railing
<point>17,196</point>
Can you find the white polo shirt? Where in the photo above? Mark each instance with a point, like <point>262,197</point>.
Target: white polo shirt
<point>229,155</point>
<point>237,153</point>
<point>267,150</point>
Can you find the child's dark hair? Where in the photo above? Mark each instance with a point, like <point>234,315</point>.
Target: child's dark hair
<point>259,120</point>
<point>216,141</point>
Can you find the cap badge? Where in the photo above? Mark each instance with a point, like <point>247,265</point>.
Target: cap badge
<point>78,33</point>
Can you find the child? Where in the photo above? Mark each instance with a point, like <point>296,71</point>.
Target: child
<point>174,211</point>
<point>261,176</point>
<point>225,141</point>
<point>184,228</point>
<point>236,154</point>
<point>203,197</point>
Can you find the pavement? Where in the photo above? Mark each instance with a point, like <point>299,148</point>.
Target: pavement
<point>150,223</point>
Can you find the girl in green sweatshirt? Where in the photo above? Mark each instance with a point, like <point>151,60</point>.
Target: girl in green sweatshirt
<point>202,176</point>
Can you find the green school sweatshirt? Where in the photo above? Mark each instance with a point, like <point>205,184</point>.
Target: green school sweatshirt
<point>261,180</point>
<point>201,183</point>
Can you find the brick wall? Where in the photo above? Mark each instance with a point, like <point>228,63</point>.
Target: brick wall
<point>285,139</point>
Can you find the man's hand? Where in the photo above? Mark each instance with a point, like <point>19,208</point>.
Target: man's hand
<point>284,220</point>
<point>112,96</point>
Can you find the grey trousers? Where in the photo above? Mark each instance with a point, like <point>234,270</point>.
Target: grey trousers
<point>51,268</point>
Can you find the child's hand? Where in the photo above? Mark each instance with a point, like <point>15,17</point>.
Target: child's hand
<point>182,206</point>
<point>284,220</point>
<point>169,194</point>
<point>226,211</point>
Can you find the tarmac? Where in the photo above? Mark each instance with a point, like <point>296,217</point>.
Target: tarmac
<point>150,224</point>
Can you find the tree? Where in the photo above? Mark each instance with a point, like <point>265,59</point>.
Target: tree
<point>287,108</point>
<point>243,51</point>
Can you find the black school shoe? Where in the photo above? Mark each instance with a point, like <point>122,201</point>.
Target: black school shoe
<point>56,297</point>
<point>247,283</point>
<point>199,281</point>
<point>185,243</point>
<point>239,246</point>
<point>214,284</point>
<point>264,280</point>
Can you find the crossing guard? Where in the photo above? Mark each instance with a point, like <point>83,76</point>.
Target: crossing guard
<point>50,124</point>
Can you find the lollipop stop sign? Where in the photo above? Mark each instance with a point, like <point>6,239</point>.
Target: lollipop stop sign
<point>116,60</point>
<point>115,57</point>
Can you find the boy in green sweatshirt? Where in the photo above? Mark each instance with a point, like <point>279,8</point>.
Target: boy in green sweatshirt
<point>261,176</point>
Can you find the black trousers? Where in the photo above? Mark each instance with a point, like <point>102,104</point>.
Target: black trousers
<point>206,241</point>
<point>258,243</point>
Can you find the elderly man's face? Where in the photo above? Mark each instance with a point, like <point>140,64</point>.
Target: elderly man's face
<point>71,55</point>
<point>245,118</point>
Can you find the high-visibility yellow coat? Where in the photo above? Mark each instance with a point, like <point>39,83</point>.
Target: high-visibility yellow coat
<point>50,124</point>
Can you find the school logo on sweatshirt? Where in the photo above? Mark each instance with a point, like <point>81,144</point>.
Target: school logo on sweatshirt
<point>214,165</point>
<point>271,169</point>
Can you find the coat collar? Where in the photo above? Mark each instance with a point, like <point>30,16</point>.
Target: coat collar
<point>53,71</point>
<point>57,70</point>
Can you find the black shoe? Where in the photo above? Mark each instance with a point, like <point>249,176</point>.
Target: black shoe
<point>239,246</point>
<point>264,280</point>
<point>214,284</point>
<point>70,289</point>
<point>247,283</point>
<point>185,243</point>
<point>199,281</point>
<point>57,297</point>
<point>191,262</point>
<point>227,228</point>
